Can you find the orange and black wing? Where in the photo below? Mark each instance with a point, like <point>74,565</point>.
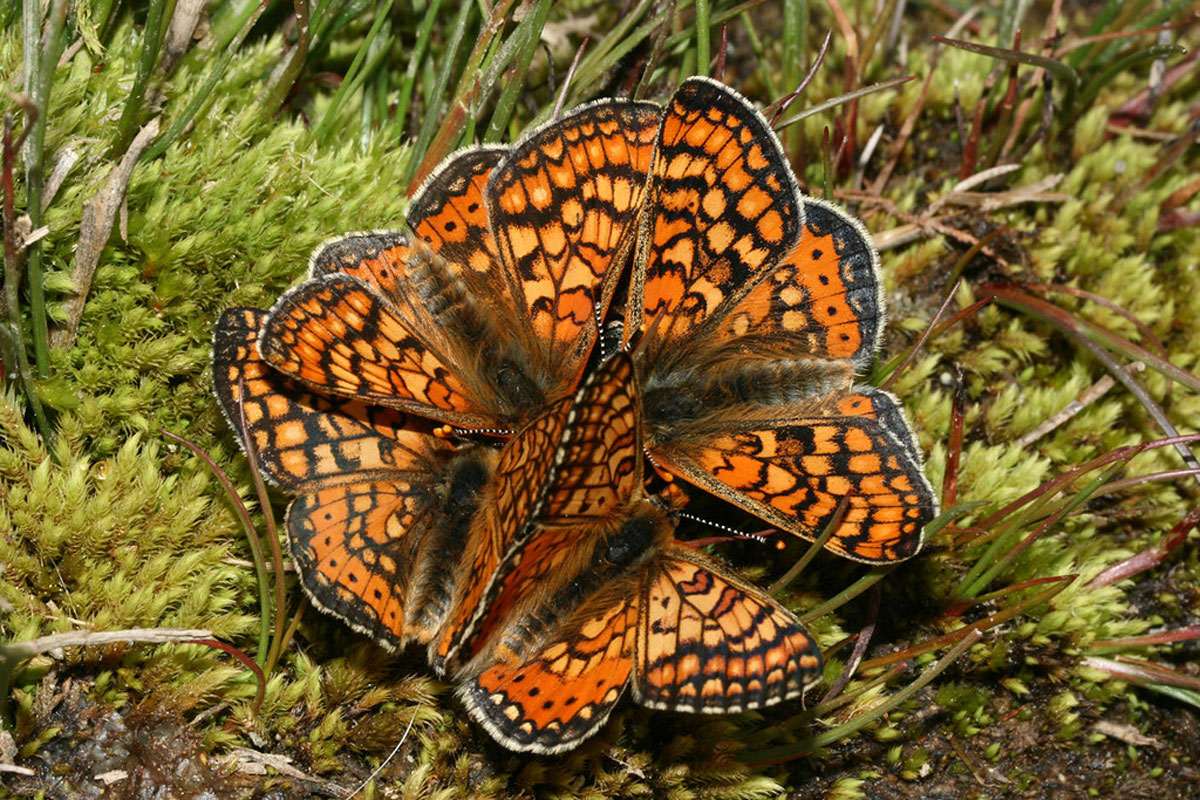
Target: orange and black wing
<point>709,643</point>
<point>586,490</point>
<point>355,549</point>
<point>793,465</point>
<point>562,206</point>
<point>368,527</point>
<point>565,690</point>
<point>378,258</point>
<point>823,300</point>
<point>338,335</point>
<point>448,212</point>
<point>301,438</point>
<point>722,207</point>
<point>575,466</point>
<point>508,507</point>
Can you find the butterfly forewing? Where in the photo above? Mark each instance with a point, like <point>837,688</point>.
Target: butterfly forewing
<point>378,258</point>
<point>562,205</point>
<point>354,552</point>
<point>338,335</point>
<point>723,207</point>
<point>822,300</point>
<point>551,495</point>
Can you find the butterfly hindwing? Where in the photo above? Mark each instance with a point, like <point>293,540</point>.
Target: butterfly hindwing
<point>709,643</point>
<point>792,466</point>
<point>565,690</point>
<point>562,206</point>
<point>355,552</point>
<point>723,207</point>
<point>822,300</point>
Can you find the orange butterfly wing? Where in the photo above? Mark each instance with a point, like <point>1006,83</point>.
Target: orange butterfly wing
<point>565,690</point>
<point>723,205</point>
<point>595,473</point>
<point>792,470</point>
<point>338,335</point>
<point>354,551</point>
<point>711,644</point>
<point>512,501</point>
<point>562,206</point>
<point>448,212</point>
<point>378,258</point>
<point>301,438</point>
<point>822,300</point>
<point>370,531</point>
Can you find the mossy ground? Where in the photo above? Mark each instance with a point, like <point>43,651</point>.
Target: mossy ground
<point>111,527</point>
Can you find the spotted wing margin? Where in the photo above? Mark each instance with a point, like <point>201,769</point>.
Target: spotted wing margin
<point>562,205</point>
<point>792,465</point>
<point>708,643</point>
<point>561,692</point>
<point>822,300</point>
<point>379,258</point>
<point>559,481</point>
<point>339,335</point>
<point>302,439</point>
<point>448,212</point>
<point>722,206</point>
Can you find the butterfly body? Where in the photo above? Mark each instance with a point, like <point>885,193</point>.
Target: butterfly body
<point>629,606</point>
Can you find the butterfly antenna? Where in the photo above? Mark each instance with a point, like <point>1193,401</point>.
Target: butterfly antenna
<point>600,334</point>
<point>734,532</point>
<point>449,431</point>
<point>647,333</point>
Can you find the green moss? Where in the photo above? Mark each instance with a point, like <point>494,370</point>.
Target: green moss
<point>112,528</point>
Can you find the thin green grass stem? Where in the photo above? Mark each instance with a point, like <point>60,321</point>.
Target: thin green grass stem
<point>366,58</point>
<point>157,17</point>
<point>874,576</point>
<point>434,99</point>
<point>703,37</point>
<point>1003,563</point>
<point>815,547</point>
<point>527,34</point>
<point>198,100</point>
<point>256,554</point>
<point>858,723</point>
<point>38,84</point>
<point>415,59</point>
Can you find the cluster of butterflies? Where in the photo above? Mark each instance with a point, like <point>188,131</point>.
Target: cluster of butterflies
<point>469,414</point>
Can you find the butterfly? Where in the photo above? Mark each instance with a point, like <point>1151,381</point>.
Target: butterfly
<point>488,311</point>
<point>752,309</point>
<point>595,595</point>
<point>540,577</point>
<point>381,507</point>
